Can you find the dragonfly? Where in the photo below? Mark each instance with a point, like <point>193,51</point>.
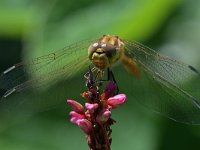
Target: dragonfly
<point>171,82</point>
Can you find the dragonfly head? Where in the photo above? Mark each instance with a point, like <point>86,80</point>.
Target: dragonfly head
<point>106,52</point>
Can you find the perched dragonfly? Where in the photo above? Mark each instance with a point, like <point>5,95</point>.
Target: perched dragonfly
<point>168,92</point>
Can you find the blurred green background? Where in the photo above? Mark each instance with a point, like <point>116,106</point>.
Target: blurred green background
<point>31,28</point>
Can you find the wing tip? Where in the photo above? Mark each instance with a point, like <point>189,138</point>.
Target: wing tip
<point>9,92</point>
<point>196,102</point>
<point>9,69</point>
<point>193,69</point>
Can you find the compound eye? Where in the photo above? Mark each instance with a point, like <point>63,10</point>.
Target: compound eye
<point>104,45</point>
<point>95,45</point>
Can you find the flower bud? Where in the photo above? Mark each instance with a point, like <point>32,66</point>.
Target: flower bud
<point>91,107</point>
<point>75,116</point>
<point>111,88</point>
<point>77,107</point>
<point>103,116</point>
<point>85,125</point>
<point>116,101</point>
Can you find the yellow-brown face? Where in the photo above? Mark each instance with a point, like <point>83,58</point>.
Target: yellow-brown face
<point>106,52</point>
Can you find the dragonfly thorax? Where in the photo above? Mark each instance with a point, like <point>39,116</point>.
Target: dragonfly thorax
<point>106,52</point>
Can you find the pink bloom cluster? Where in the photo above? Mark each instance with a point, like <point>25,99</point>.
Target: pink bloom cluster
<point>96,112</point>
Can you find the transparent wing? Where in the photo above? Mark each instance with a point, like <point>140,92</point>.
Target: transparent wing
<point>171,87</point>
<point>45,70</point>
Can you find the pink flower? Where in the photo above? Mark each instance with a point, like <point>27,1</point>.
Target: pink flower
<point>85,125</point>
<point>77,107</point>
<point>116,101</point>
<point>75,116</point>
<point>91,107</point>
<point>103,116</point>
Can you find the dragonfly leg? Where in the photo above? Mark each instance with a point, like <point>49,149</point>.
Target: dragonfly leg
<point>95,76</point>
<point>110,77</point>
<point>90,82</point>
